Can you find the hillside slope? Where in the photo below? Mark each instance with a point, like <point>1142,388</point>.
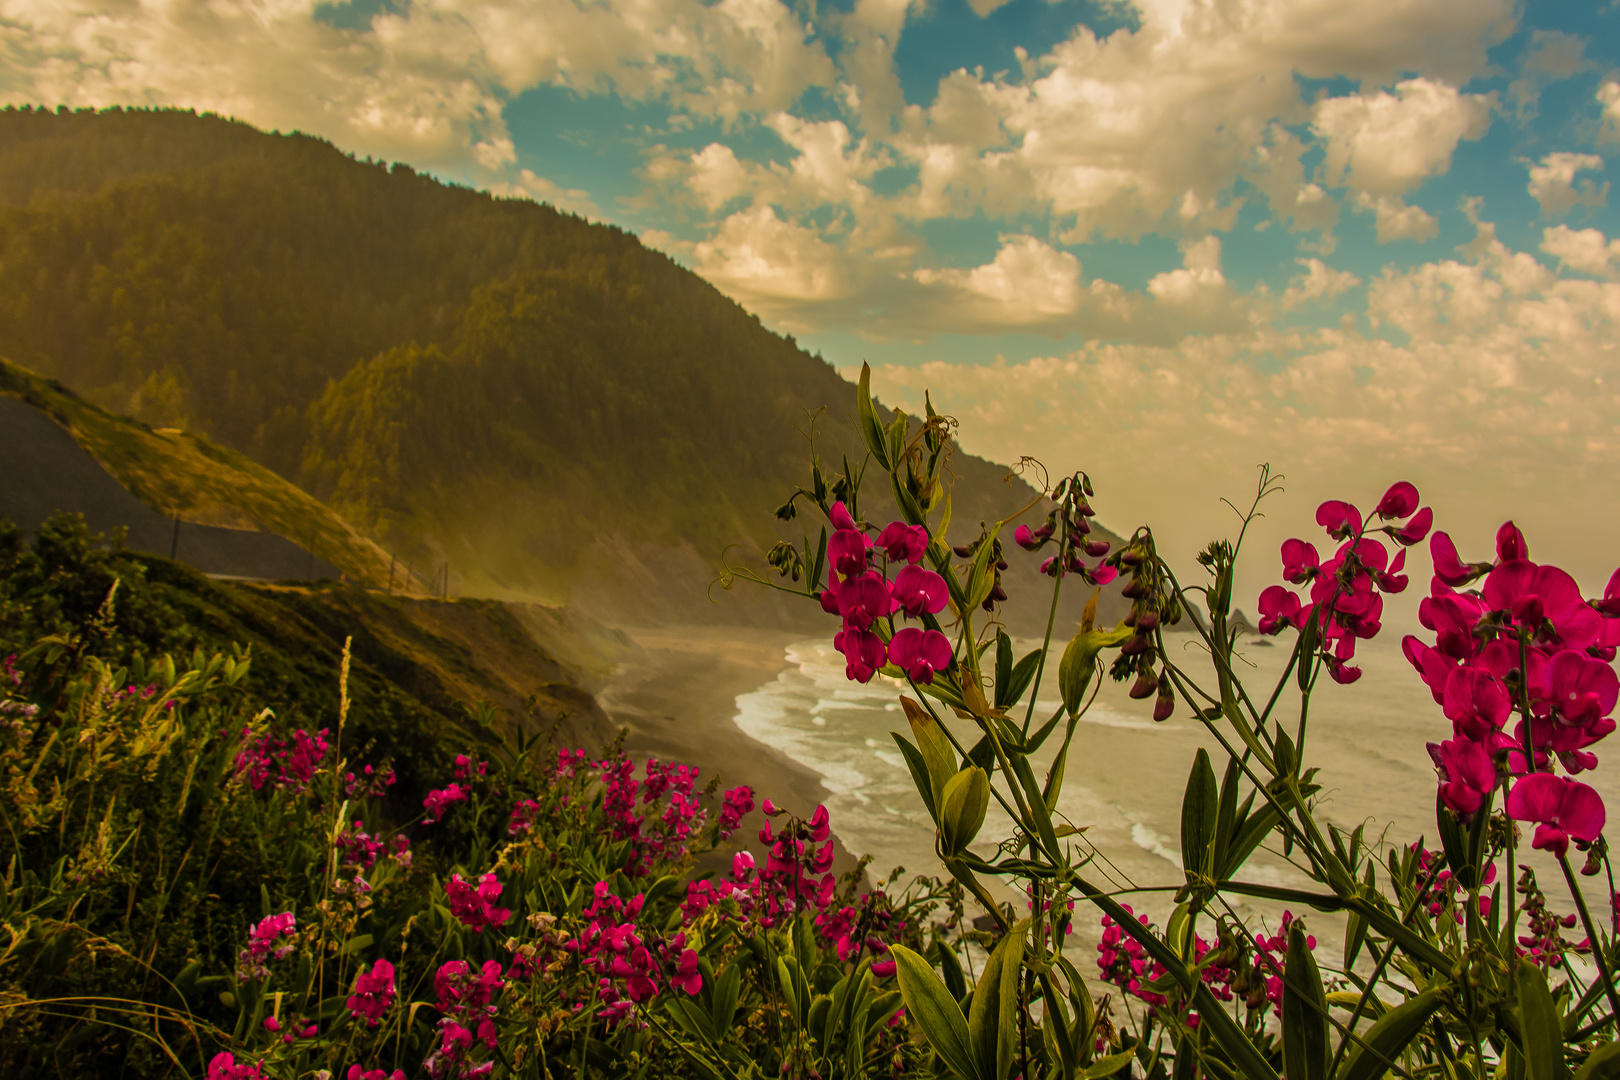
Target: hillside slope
<point>549,407</point>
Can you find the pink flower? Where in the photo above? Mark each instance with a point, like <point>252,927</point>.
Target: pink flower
<point>820,828</point>
<point>1300,561</point>
<point>1466,775</point>
<point>917,590</point>
<point>1340,519</point>
<point>1610,604</point>
<point>1476,703</point>
<point>863,599</point>
<point>902,542</point>
<point>863,652</point>
<point>840,517</point>
<point>1563,809</point>
<point>437,802</point>
<point>475,907</point>
<point>1279,609</point>
<point>739,802</point>
<point>920,652</point>
<point>846,551</point>
<point>1582,691</point>
<point>1510,545</point>
<point>373,993</point>
<point>1415,530</point>
<point>1398,502</point>
<point>357,1073</point>
<point>459,987</point>
<point>1448,565</point>
<point>224,1067</point>
<point>687,976</point>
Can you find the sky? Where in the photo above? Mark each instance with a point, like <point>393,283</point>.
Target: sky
<point>1161,241</point>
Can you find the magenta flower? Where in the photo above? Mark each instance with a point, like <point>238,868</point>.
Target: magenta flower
<point>1415,530</point>
<point>840,517</point>
<point>1398,502</point>
<point>1392,580</point>
<point>820,826</point>
<point>1300,561</point>
<point>373,993</point>
<point>904,543</point>
<point>475,907</point>
<point>1340,519</point>
<point>357,1073</point>
<point>459,986</point>
<point>739,802</point>
<point>846,551</point>
<point>1510,545</point>
<point>1448,565</point>
<point>1279,609</point>
<point>1531,595</point>
<point>437,802</point>
<point>1432,665</point>
<point>864,599</point>
<point>223,1066</point>
<point>863,653</point>
<point>687,976</point>
<point>917,590</point>
<point>1467,775</point>
<point>1032,539</point>
<point>920,652</point>
<point>1476,703</point>
<point>1563,810</point>
<point>1610,604</point>
<point>1582,691</point>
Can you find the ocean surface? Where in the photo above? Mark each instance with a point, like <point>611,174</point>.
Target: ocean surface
<point>1126,774</point>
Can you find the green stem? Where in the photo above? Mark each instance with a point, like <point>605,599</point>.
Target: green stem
<point>1591,934</point>
<point>1046,645</point>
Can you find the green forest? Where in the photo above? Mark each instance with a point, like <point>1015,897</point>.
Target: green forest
<point>527,395</point>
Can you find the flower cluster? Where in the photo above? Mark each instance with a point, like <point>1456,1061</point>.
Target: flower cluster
<point>264,941</point>
<point>373,993</point>
<point>369,783</point>
<point>465,997</point>
<point>739,803</point>
<point>1544,945</point>
<point>1347,591</point>
<point>629,968</point>
<point>439,801</point>
<point>475,906</point>
<point>295,764</point>
<point>653,838</point>
<point>1524,642</point>
<point>862,595</point>
<point>1067,526</point>
<point>1123,962</point>
<point>224,1066</point>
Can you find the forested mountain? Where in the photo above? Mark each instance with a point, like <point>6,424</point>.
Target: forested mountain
<point>543,402</point>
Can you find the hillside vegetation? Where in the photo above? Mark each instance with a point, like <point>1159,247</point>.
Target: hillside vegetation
<point>547,405</point>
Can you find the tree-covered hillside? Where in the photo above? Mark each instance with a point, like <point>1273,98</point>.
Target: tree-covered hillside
<point>540,401</point>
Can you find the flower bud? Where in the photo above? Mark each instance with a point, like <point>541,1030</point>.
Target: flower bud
<point>1149,620</point>
<point>1165,704</point>
<point>1097,548</point>
<point>1146,683</point>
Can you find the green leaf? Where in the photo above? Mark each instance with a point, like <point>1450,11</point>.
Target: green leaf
<point>919,772</point>
<point>1004,666</point>
<point>1256,827</point>
<point>962,809</point>
<point>871,431</point>
<point>1225,817</point>
<point>1018,680</point>
<point>1601,1064</point>
<point>726,988</point>
<point>1199,809</point>
<point>1355,934</point>
<point>1108,1066</point>
<point>1304,1012</point>
<point>950,965</point>
<point>1079,662</point>
<point>937,752</point>
<point>1387,1038</point>
<point>936,1013</point>
<point>993,1015</point>
<point>1251,1064</point>
<point>1542,1029</point>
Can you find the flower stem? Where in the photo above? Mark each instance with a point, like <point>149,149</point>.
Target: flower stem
<point>1591,934</point>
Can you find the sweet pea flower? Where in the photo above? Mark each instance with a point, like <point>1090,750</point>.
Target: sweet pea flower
<point>1610,604</point>
<point>1340,519</point>
<point>1510,545</point>
<point>865,598</point>
<point>373,993</point>
<point>840,517</point>
<point>1476,702</point>
<point>1398,502</point>
<point>1563,809</point>
<point>1467,776</point>
<point>1415,530</point>
<point>1300,561</point>
<point>917,591</point>
<point>223,1066</point>
<point>820,826</point>
<point>1448,565</point>
<point>357,1073</point>
<point>863,653</point>
<point>1279,609</point>
<point>846,551</point>
<point>904,543</point>
<point>1581,690</point>
<point>1432,665</point>
<point>475,906</point>
<point>687,976</point>
<point>920,652</point>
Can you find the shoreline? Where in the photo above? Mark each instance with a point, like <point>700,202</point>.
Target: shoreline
<point>678,700</point>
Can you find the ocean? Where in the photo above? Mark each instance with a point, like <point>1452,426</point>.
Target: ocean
<point>1126,774</point>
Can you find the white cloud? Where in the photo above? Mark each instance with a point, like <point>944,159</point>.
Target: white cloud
<point>1585,250</point>
<point>1319,282</point>
<point>1387,144</point>
<point>1608,96</point>
<point>774,266</point>
<point>1503,400</point>
<point>1555,189</point>
<point>1028,282</point>
<point>1395,220</point>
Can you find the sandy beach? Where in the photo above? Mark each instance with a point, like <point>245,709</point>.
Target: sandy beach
<point>678,701</point>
